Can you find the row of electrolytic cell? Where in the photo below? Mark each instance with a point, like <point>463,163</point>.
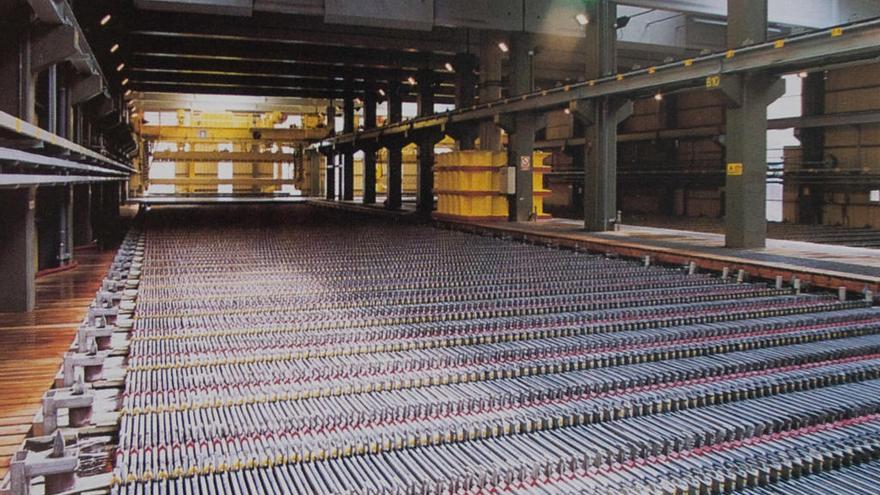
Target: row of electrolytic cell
<point>473,319</point>
<point>853,478</point>
<point>452,273</point>
<point>378,309</point>
<point>290,423</point>
<point>158,301</point>
<point>194,387</point>
<point>331,379</point>
<point>453,350</point>
<point>426,290</point>
<point>293,366</point>
<point>350,404</point>
<point>464,260</point>
<point>844,415</point>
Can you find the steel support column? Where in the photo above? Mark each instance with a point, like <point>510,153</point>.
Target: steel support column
<point>330,181</point>
<point>811,197</point>
<point>82,215</point>
<point>395,149</point>
<point>348,153</point>
<point>17,249</point>
<point>425,175</point>
<point>369,153</point>
<point>490,88</point>
<point>602,115</point>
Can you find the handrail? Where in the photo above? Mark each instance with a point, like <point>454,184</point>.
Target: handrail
<point>29,131</point>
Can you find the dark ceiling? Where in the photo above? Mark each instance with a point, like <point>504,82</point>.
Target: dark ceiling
<point>285,55</point>
<point>267,54</point>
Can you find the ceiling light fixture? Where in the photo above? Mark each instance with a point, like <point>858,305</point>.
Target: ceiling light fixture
<point>125,81</point>
<point>803,75</point>
<point>658,96</point>
<point>381,92</point>
<point>582,19</point>
<point>449,67</point>
<point>503,47</point>
<point>411,80</point>
<point>114,48</point>
<point>105,19</point>
<point>120,67</point>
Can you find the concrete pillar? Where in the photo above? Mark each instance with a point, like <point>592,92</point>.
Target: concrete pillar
<point>330,181</point>
<point>17,85</point>
<point>395,149</point>
<point>425,176</point>
<point>82,215</point>
<point>465,95</point>
<point>369,154</point>
<point>746,125</point>
<point>602,116</point>
<point>811,196</point>
<point>52,102</point>
<point>746,22</point>
<point>65,226</point>
<point>348,153</point>
<point>107,218</point>
<point>490,88</point>
<point>521,133</point>
<point>48,220</point>
<point>17,249</point>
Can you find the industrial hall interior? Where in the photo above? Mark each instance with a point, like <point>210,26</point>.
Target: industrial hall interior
<point>440,247</point>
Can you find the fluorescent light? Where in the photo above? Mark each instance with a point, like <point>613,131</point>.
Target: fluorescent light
<point>658,96</point>
<point>503,47</point>
<point>567,111</point>
<point>125,81</point>
<point>582,19</point>
<point>411,80</point>
<point>105,19</point>
<point>114,48</point>
<point>449,67</point>
<point>803,75</point>
<point>128,92</point>
<point>120,67</point>
<point>381,92</point>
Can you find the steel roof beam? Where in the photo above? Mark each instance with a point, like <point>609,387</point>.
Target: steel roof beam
<point>856,42</point>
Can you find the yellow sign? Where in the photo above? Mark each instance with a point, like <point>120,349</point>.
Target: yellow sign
<point>734,169</point>
<point>713,81</point>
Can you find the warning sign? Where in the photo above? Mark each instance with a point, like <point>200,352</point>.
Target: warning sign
<point>734,169</point>
<point>525,163</point>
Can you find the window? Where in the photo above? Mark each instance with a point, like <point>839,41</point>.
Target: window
<point>224,171</point>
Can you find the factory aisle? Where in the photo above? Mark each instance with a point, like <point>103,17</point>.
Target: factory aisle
<point>34,342</point>
<point>291,350</point>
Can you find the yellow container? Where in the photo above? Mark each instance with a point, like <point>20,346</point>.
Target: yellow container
<point>470,185</point>
<point>538,191</point>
